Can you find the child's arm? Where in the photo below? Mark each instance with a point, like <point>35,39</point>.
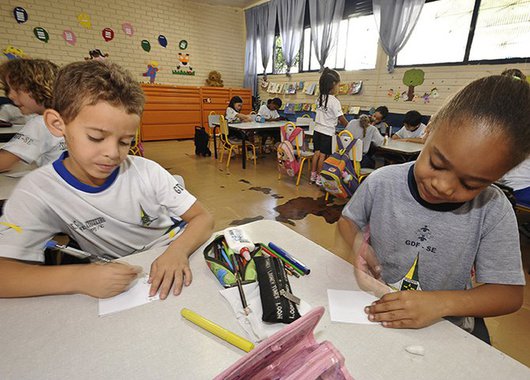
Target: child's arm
<point>244,117</point>
<point>415,309</point>
<point>7,160</point>
<point>19,279</point>
<point>343,121</point>
<point>418,140</point>
<point>172,267</point>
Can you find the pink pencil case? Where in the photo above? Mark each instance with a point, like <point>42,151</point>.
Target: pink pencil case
<point>292,353</point>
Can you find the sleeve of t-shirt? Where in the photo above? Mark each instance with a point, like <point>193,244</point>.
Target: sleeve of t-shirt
<point>30,142</point>
<point>264,111</point>
<point>26,225</point>
<point>401,132</point>
<point>231,114</point>
<point>377,138</point>
<point>169,192</point>
<point>498,260</point>
<point>422,129</point>
<point>359,207</point>
<point>336,108</point>
<point>275,114</point>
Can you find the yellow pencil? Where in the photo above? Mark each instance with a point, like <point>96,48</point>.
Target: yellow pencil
<point>217,330</point>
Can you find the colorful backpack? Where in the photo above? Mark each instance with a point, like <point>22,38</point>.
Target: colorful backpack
<point>338,173</point>
<point>287,162</point>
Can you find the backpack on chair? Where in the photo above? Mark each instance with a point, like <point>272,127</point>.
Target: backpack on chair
<point>287,162</point>
<point>201,142</point>
<point>338,173</point>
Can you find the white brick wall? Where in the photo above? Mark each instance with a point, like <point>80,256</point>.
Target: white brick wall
<point>215,35</point>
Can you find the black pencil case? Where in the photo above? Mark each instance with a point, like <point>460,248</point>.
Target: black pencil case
<point>277,300</point>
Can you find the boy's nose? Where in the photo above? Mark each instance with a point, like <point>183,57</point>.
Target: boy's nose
<point>444,186</point>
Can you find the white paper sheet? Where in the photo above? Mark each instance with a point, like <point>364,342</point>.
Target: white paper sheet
<point>137,295</point>
<point>348,306</point>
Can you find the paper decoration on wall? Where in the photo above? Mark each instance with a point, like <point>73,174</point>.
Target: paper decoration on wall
<point>107,34</point>
<point>355,88</point>
<point>152,69</point>
<point>146,45</point>
<point>183,67</point>
<point>20,15</point>
<point>413,78</point>
<point>84,20</point>
<point>41,34</point>
<point>12,52</point>
<point>183,45</point>
<point>264,83</point>
<point>162,40</point>
<point>70,37</point>
<point>97,55</point>
<point>127,29</point>
<point>343,88</point>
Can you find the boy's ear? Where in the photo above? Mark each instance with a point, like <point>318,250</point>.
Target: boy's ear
<point>54,122</point>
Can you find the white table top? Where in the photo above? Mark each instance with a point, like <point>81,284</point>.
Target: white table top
<point>13,129</point>
<point>61,337</point>
<point>256,125</point>
<point>402,146</point>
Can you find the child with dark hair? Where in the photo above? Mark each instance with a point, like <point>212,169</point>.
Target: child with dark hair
<point>328,113</point>
<point>362,129</point>
<point>233,111</point>
<point>429,225</point>
<point>413,129</point>
<point>378,120</point>
<point>269,111</point>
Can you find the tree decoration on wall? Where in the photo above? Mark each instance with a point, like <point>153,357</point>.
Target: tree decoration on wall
<point>12,52</point>
<point>20,15</point>
<point>107,34</point>
<point>146,45</point>
<point>41,34</point>
<point>70,37</point>
<point>152,69</point>
<point>162,40</point>
<point>183,67</point>
<point>84,20</point>
<point>183,45</point>
<point>127,29</point>
<point>413,78</point>
<point>97,55</point>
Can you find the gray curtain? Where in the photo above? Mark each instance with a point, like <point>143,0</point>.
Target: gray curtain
<point>250,50</point>
<point>266,23</point>
<point>395,20</point>
<point>325,17</point>
<point>291,22</point>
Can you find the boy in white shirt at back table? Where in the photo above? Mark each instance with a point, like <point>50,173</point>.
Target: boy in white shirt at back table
<point>99,196</point>
<point>270,110</point>
<point>29,85</point>
<point>413,129</point>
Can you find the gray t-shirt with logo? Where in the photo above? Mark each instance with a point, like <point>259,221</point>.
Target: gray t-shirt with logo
<point>434,247</point>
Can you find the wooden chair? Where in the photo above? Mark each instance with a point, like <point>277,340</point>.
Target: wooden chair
<point>137,148</point>
<point>230,144</point>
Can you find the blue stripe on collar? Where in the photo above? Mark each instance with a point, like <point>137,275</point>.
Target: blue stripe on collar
<point>59,167</point>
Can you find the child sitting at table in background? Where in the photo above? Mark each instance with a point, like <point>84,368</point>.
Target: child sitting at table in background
<point>233,114</point>
<point>378,120</point>
<point>428,225</point>
<point>29,83</point>
<point>95,193</point>
<point>413,129</point>
<point>369,134</point>
<point>269,111</point>
<point>328,113</point>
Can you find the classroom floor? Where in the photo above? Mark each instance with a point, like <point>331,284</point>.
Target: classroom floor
<point>238,196</point>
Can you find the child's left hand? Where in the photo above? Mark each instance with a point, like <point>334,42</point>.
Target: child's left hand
<point>406,309</point>
<point>169,269</point>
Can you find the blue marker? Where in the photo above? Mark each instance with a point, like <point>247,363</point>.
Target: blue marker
<point>290,258</point>
<point>223,253</point>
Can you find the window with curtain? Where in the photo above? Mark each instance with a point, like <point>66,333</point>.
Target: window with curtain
<point>442,34</point>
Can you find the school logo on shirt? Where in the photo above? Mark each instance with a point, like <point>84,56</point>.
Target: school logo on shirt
<point>178,188</point>
<point>91,225</point>
<point>145,217</point>
<point>25,139</point>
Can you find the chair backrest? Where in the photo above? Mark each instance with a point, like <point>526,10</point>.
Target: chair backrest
<point>298,142</point>
<point>213,119</point>
<point>303,121</point>
<point>223,126</point>
<point>356,154</point>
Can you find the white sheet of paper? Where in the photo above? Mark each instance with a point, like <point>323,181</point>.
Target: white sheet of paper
<point>348,306</point>
<point>137,295</point>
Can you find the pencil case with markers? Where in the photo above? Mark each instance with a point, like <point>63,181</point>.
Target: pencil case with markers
<point>291,354</point>
<point>217,256</point>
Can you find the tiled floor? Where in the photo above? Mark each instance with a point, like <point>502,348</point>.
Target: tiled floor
<point>238,196</point>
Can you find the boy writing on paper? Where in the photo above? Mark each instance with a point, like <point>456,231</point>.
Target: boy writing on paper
<point>99,196</point>
<point>413,129</point>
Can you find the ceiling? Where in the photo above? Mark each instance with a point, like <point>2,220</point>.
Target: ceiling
<point>229,3</point>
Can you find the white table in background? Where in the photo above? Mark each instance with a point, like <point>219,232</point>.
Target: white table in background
<point>406,150</point>
<point>61,337</point>
<point>6,133</point>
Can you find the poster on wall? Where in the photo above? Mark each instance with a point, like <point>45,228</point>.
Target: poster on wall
<point>146,45</point>
<point>84,20</point>
<point>107,34</point>
<point>20,15</point>
<point>183,45</point>
<point>70,37</point>
<point>152,69</point>
<point>183,67</point>
<point>162,40</point>
<point>41,34</point>
<point>127,29</point>
<point>12,52</point>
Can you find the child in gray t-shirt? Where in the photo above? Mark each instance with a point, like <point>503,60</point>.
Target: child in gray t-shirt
<point>433,222</point>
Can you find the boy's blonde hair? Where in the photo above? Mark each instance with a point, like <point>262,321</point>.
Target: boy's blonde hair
<point>84,83</point>
<point>34,76</point>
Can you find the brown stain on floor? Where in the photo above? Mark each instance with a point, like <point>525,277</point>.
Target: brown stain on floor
<point>239,222</point>
<point>299,208</point>
<point>244,181</point>
<point>264,190</point>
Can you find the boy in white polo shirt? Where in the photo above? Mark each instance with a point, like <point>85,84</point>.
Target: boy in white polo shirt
<point>104,199</point>
<point>413,129</point>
